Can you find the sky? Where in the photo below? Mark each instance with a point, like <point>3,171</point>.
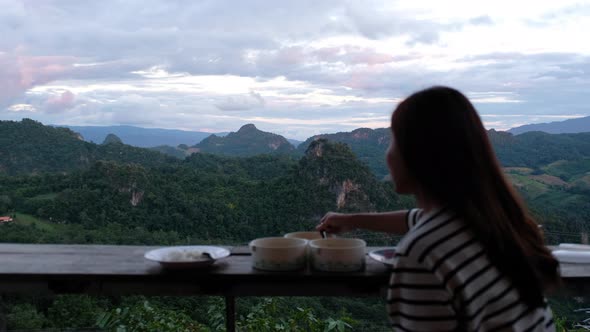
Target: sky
<point>295,68</point>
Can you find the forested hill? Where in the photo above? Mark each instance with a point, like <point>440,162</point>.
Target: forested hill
<point>30,147</point>
<point>531,149</point>
<point>534,149</point>
<point>247,141</point>
<point>368,144</point>
<point>206,197</point>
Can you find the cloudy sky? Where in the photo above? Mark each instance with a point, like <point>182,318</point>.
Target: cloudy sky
<point>296,68</point>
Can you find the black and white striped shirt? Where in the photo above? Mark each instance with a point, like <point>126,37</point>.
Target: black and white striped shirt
<point>443,281</point>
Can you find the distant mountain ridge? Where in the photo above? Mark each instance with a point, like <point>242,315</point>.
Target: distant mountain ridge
<point>247,141</point>
<point>140,137</point>
<point>533,149</point>
<point>579,125</point>
<point>29,146</point>
<point>158,138</point>
<point>166,140</point>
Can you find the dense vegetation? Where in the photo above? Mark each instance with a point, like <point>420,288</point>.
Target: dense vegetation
<point>216,198</point>
<point>63,190</point>
<point>30,147</point>
<point>535,149</point>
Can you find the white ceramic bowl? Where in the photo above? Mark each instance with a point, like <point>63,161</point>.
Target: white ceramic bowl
<point>338,254</point>
<point>278,253</point>
<point>306,236</point>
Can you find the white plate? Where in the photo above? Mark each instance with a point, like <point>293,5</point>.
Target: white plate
<point>573,246</point>
<point>165,256</point>
<point>572,256</point>
<point>384,256</point>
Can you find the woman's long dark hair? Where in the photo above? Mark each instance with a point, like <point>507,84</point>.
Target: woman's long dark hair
<point>448,154</point>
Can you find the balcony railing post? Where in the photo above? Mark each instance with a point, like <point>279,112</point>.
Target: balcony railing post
<point>230,313</point>
<point>3,322</point>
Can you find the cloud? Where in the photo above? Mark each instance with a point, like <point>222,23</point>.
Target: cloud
<point>60,103</point>
<point>376,23</point>
<point>22,108</point>
<point>350,55</point>
<point>216,64</point>
<point>19,73</point>
<point>241,102</point>
<point>560,16</point>
<point>481,20</point>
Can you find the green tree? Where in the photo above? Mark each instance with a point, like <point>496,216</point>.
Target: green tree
<point>143,317</point>
<point>75,311</point>
<point>274,314</point>
<point>24,316</point>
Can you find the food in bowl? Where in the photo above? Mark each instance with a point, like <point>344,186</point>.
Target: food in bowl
<point>304,235</point>
<point>338,254</point>
<point>278,253</point>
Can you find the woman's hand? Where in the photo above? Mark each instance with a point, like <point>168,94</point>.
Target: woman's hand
<point>336,223</point>
<point>393,222</point>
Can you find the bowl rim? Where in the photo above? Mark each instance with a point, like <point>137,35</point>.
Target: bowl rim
<point>293,235</point>
<point>360,243</point>
<point>296,242</point>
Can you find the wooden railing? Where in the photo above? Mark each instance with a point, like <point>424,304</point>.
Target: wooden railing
<point>122,270</point>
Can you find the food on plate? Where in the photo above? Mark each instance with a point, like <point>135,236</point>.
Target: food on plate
<point>186,255</point>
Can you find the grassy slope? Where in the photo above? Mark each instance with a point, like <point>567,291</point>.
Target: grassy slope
<point>530,186</point>
<point>27,219</point>
<point>568,170</point>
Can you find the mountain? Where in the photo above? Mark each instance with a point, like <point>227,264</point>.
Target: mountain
<point>112,139</point>
<point>268,194</point>
<point>247,141</point>
<point>369,145</point>
<point>294,142</point>
<point>30,147</point>
<point>532,149</point>
<point>535,149</point>
<point>579,125</point>
<point>334,166</point>
<point>207,196</point>
<point>140,137</point>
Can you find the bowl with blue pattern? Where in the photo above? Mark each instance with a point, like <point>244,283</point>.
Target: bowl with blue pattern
<point>278,253</point>
<point>338,254</point>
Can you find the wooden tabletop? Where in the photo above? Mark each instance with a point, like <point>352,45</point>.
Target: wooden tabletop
<point>120,270</point>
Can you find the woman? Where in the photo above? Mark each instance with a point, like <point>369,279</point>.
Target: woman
<point>472,258</point>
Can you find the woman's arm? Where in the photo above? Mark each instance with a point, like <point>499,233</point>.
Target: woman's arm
<point>389,222</point>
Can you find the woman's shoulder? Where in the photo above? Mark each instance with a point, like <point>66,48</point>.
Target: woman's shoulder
<point>429,231</point>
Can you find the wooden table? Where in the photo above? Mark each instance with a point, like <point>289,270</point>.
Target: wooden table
<point>122,270</point>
